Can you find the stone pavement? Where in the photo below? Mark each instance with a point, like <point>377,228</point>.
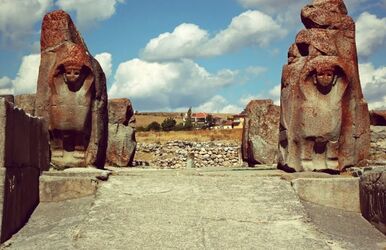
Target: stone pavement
<point>190,209</point>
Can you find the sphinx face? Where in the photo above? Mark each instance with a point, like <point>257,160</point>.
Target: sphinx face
<point>325,78</point>
<point>71,75</point>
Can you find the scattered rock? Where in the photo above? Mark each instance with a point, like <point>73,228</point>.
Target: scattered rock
<point>180,154</point>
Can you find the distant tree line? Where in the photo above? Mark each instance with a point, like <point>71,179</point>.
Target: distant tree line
<point>170,124</point>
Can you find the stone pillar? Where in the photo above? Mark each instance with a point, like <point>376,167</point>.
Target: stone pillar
<point>260,132</point>
<point>121,143</point>
<point>24,154</point>
<point>324,119</point>
<point>71,95</point>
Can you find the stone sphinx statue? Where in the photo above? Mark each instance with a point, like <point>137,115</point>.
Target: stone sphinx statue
<point>324,124</point>
<point>71,95</point>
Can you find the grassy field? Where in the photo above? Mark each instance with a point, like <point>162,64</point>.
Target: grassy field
<point>194,135</point>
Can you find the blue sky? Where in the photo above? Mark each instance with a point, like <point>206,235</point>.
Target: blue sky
<point>168,55</point>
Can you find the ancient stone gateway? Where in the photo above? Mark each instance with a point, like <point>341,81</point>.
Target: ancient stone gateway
<point>324,122</point>
<point>71,95</point>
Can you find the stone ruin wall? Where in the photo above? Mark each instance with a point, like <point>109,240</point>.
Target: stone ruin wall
<point>24,154</point>
<point>177,154</point>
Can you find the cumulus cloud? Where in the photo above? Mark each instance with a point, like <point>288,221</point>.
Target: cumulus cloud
<point>105,60</point>
<point>6,86</point>
<point>17,19</point>
<point>287,12</point>
<point>370,34</point>
<point>218,104</point>
<point>251,28</point>
<point>26,78</point>
<point>89,11</point>
<point>167,86</point>
<point>373,82</point>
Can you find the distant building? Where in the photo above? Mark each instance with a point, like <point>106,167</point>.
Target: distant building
<point>238,120</point>
<point>200,118</point>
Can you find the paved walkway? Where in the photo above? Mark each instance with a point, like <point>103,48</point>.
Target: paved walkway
<point>179,209</point>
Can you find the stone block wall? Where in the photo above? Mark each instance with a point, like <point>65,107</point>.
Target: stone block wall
<point>24,154</point>
<point>177,154</point>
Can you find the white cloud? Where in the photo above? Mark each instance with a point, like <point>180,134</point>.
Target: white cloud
<point>27,76</point>
<point>89,11</point>
<point>17,19</point>
<point>244,100</point>
<point>287,12</point>
<point>218,104</point>
<point>373,82</point>
<point>6,87</point>
<point>184,41</point>
<point>275,94</point>
<point>370,33</point>
<point>255,70</point>
<point>167,86</point>
<point>251,28</point>
<point>105,60</point>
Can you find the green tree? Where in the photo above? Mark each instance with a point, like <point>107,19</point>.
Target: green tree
<point>179,127</point>
<point>188,122</point>
<point>154,126</point>
<point>168,124</point>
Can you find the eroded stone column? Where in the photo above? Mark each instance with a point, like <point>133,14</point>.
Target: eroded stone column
<point>122,143</point>
<point>324,123</point>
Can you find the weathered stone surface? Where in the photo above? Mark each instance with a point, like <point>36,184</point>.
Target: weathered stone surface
<point>26,102</point>
<point>24,154</point>
<point>260,132</point>
<point>378,117</point>
<point>71,95</point>
<point>54,188</point>
<point>121,143</point>
<point>324,123</point>
<point>373,197</point>
<point>121,111</point>
<point>341,193</point>
<point>193,209</point>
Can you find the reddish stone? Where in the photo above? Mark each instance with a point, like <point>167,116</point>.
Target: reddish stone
<point>120,111</point>
<point>378,117</point>
<point>260,132</point>
<point>71,95</point>
<point>324,123</point>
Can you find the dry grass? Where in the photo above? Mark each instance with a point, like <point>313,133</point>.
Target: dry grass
<point>195,135</point>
